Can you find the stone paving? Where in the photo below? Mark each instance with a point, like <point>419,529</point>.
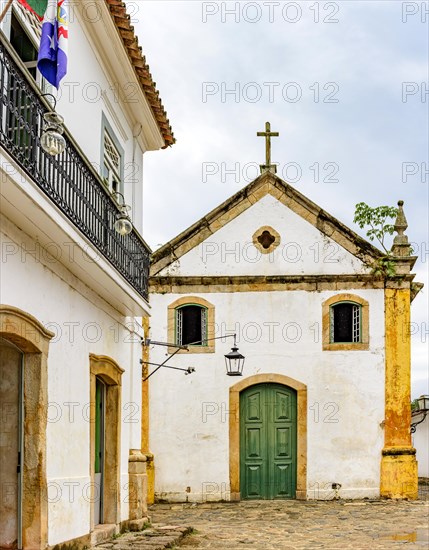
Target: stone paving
<point>296,525</point>
<point>154,538</point>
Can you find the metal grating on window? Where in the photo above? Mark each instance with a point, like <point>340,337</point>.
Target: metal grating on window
<point>179,324</point>
<point>112,153</point>
<point>356,323</point>
<point>29,19</point>
<point>203,326</point>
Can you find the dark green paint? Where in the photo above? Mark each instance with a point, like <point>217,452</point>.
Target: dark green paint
<point>268,427</point>
<point>99,392</point>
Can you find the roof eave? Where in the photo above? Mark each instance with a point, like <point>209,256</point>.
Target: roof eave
<point>127,36</point>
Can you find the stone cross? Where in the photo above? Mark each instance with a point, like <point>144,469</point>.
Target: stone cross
<point>268,167</point>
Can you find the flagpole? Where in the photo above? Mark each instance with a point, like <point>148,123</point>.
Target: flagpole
<point>6,9</point>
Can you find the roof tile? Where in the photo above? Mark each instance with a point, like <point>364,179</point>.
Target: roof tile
<point>138,61</point>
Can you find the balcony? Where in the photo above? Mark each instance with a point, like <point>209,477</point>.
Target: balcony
<point>69,180</point>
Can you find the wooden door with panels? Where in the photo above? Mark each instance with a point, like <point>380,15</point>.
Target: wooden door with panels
<point>268,442</point>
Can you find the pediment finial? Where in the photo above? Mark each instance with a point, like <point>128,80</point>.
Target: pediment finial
<point>401,246</point>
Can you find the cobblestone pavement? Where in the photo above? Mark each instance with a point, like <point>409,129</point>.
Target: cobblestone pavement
<point>154,538</point>
<point>296,525</point>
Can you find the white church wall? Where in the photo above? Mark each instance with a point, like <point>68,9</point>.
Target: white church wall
<point>421,444</point>
<point>303,249</point>
<point>83,323</point>
<point>278,332</point>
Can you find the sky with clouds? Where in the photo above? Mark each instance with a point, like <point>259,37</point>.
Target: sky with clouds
<point>345,84</point>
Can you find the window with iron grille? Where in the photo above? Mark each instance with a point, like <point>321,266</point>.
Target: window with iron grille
<point>25,33</point>
<point>191,325</point>
<point>112,164</point>
<point>345,323</point>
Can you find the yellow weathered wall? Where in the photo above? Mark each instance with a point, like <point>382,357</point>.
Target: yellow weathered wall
<point>398,465</point>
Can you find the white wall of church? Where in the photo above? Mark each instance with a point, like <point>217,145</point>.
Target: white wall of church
<point>303,249</point>
<point>83,323</point>
<point>421,443</point>
<point>278,332</point>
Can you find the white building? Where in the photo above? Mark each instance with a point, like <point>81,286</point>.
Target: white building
<point>420,436</point>
<point>323,406</point>
<point>71,285</point>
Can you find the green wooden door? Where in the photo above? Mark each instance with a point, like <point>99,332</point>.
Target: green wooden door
<point>100,392</point>
<point>268,442</point>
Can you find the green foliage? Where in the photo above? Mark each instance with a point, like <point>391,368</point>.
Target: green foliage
<point>415,405</point>
<point>376,219</point>
<point>383,266</point>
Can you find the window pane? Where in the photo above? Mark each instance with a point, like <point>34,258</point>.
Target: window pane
<point>191,324</point>
<point>343,322</point>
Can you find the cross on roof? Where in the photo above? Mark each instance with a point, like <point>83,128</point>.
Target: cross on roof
<point>268,167</point>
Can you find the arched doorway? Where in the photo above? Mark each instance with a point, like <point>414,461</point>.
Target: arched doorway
<point>235,446</point>
<point>11,448</point>
<point>268,433</point>
<point>24,393</point>
<point>105,434</point>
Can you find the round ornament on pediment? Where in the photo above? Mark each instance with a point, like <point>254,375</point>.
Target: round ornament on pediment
<point>266,239</point>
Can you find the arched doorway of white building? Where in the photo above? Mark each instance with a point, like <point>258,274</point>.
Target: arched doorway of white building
<point>268,429</point>
<point>24,344</point>
<point>271,461</point>
<point>105,434</point>
<point>11,448</point>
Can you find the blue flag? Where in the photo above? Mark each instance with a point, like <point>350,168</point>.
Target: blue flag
<point>52,59</point>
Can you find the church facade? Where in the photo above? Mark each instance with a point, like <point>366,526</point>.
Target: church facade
<point>322,409</point>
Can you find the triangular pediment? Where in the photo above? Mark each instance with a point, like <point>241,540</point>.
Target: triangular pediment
<point>266,199</point>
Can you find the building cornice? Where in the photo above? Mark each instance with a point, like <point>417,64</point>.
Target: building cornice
<point>135,55</point>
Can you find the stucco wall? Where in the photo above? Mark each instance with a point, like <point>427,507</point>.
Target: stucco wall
<point>88,92</point>
<point>278,332</point>
<point>421,443</point>
<point>303,249</point>
<point>82,323</point>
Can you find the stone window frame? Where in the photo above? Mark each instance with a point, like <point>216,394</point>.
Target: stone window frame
<point>273,245</point>
<point>327,345</point>
<point>171,323</point>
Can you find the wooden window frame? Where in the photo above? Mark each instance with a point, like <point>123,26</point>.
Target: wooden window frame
<point>363,344</point>
<point>176,330</point>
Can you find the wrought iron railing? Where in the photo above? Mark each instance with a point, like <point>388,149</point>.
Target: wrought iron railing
<point>68,179</point>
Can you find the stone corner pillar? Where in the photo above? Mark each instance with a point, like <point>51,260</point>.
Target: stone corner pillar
<point>137,488</point>
<point>399,477</point>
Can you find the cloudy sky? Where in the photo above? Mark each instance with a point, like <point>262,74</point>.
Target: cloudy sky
<point>343,83</point>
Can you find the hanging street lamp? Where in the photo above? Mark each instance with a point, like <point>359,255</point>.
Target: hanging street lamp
<point>123,224</point>
<point>52,140</point>
<point>234,360</point>
<point>422,409</point>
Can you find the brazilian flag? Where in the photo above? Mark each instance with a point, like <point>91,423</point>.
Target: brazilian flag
<point>38,7</point>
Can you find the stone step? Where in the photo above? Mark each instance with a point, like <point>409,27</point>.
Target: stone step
<point>156,537</point>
